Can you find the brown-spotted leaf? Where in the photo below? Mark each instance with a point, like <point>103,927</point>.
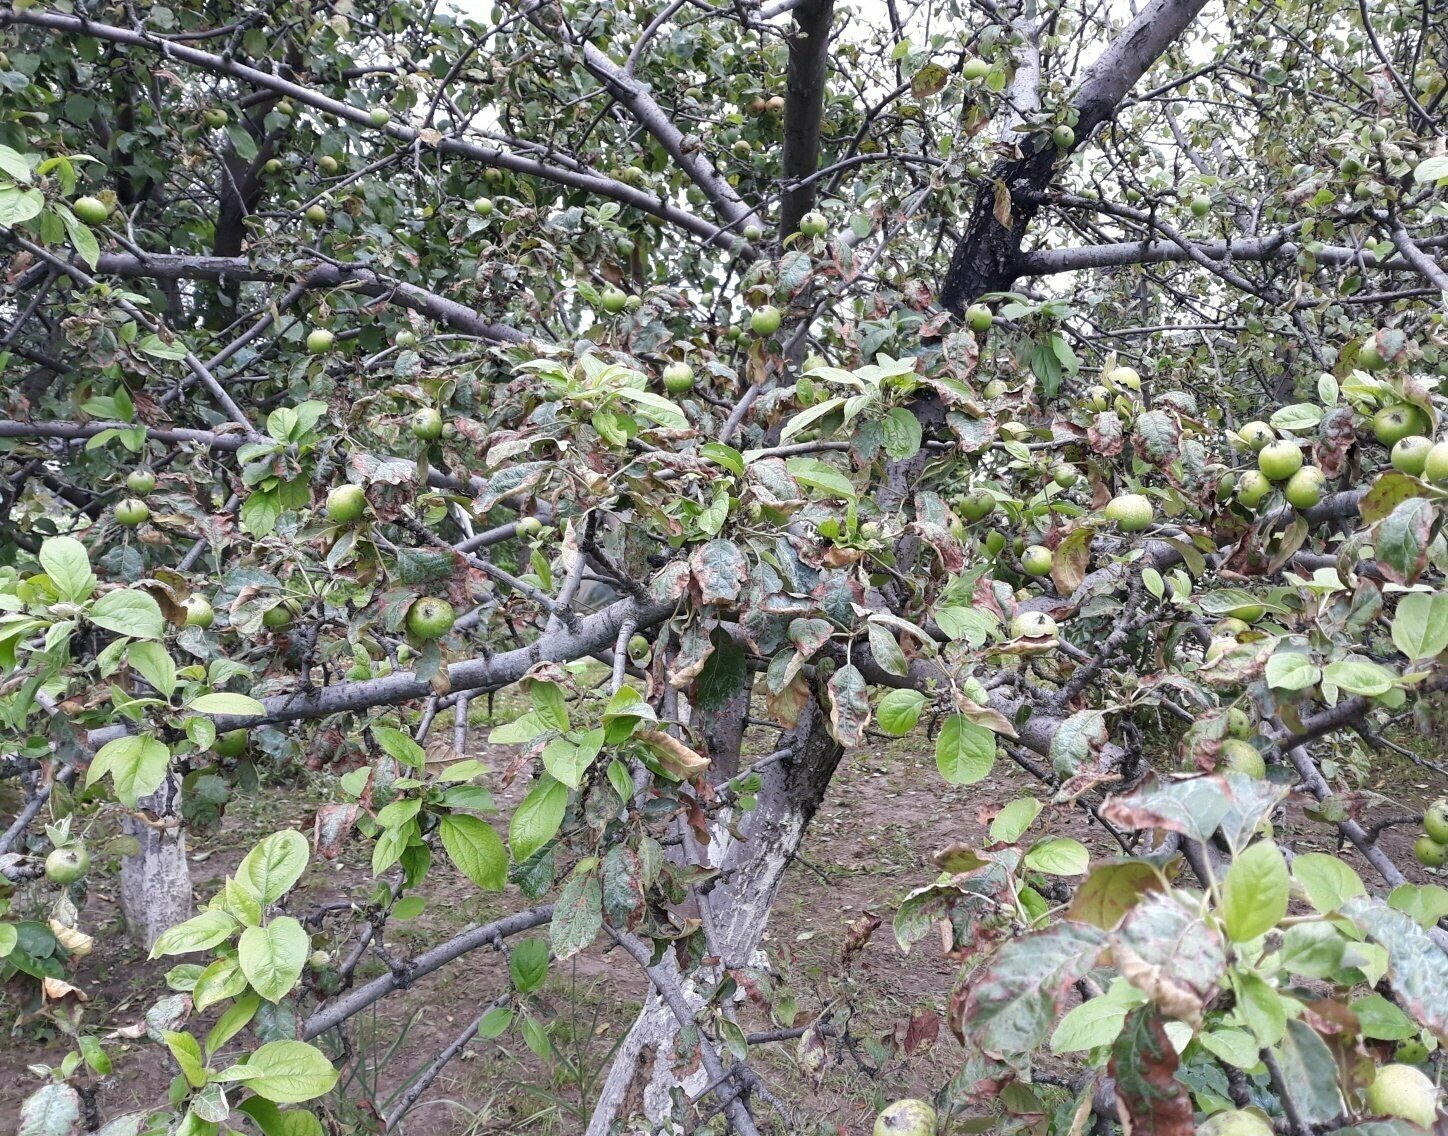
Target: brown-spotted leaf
<point>1071,560</point>
<point>849,706</point>
<point>1170,954</point>
<point>719,570</point>
<point>1149,1098</point>
<point>673,754</point>
<point>1112,890</point>
<point>1402,540</point>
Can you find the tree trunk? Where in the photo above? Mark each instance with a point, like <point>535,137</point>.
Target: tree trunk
<point>156,882</point>
<point>643,1078</point>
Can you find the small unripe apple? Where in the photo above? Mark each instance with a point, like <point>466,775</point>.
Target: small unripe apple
<point>1065,476</point>
<point>405,339</point>
<point>426,424</point>
<point>132,512</point>
<point>766,320</point>
<point>319,341</point>
<point>976,505</point>
<point>379,116</point>
<point>1232,1122</point>
<point>346,503</point>
<point>752,233</point>
<point>1130,512</point>
<point>1064,137</point>
<point>1256,435</point>
<point>91,210</point>
<point>1412,1052</point>
<point>199,612</point>
<point>327,164</point>
<point>483,206</point>
<point>277,618</point>
<point>430,618</point>
<point>1201,205</point>
<point>316,215</point>
<point>216,118</point>
<point>1238,724</point>
<point>1435,468</point>
<point>1305,487</point>
<point>140,481</point>
<point>1242,757</point>
<point>1410,454</point>
<point>994,389</point>
<point>68,864</point>
<point>1392,424</point>
<point>1435,821</point>
<point>678,378</point>
<point>230,744</point>
<point>975,69</point>
<point>639,647</point>
<point>613,300</point>
<point>1369,358</point>
<point>1404,1092</point>
<point>1098,398</point>
<point>1279,460</point>
<point>1126,377</point>
<point>1430,853</point>
<point>1230,626</point>
<point>978,317</point>
<point>1037,560</point>
<point>906,1117</point>
<point>1253,488</point>
<point>1033,625</point>
<point>529,526</point>
<point>272,166</point>
<point>813,224</point>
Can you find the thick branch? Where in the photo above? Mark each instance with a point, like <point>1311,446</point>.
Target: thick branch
<point>803,108</point>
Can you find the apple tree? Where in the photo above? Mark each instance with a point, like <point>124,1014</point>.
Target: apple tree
<point>1041,383</point>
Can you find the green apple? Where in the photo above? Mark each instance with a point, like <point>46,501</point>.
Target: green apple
<point>1368,357</point>
<point>426,424</point>
<point>678,378</point>
<point>529,526</point>
<point>613,300</point>
<point>132,512</point>
<point>379,116</point>
<point>483,206</point>
<point>1130,512</point>
<point>430,618</point>
<point>272,166</point>
<point>1037,560</point>
<point>216,118</point>
<point>316,214</point>
<point>1435,469</point>
<point>1235,1122</point>
<point>975,69</point>
<point>1252,489</point>
<point>140,481</point>
<point>277,618</point>
<point>813,224</point>
<point>976,505</point>
<point>995,540</point>
<point>1279,460</point>
<point>639,648</point>
<point>1033,625</point>
<point>91,210</point>
<point>752,233</point>
<point>1430,853</point>
<point>1231,625</point>
<point>1404,1092</point>
<point>766,320</point>
<point>1219,647</point>
<point>1119,377</point>
<point>1393,423</point>
<point>1412,1052</point>
<point>199,612</point>
<point>906,1117</point>
<point>1201,205</point>
<point>1256,435</point>
<point>327,164</point>
<point>230,744</point>
<point>1435,821</point>
<point>68,864</point>
<point>994,389</point>
<point>1064,137</point>
<point>1305,487</point>
<point>1238,724</point>
<point>1410,454</point>
<point>1065,476</point>
<point>320,340</point>
<point>346,503</point>
<point>405,339</point>
<point>978,317</point>
<point>1098,398</point>
<point>1239,756</point>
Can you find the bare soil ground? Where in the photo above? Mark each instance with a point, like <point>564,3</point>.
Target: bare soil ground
<point>871,843</point>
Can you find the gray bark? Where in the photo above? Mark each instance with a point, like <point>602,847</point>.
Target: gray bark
<point>156,882</point>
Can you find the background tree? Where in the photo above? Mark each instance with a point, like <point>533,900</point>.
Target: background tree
<point>362,360</point>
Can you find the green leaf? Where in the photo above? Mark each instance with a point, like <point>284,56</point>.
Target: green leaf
<point>128,612</point>
<point>655,407</point>
<point>1234,1046</point>
<point>549,704</point>
<point>275,864</point>
<point>537,818</point>
<point>1359,676</point>
<point>476,850</point>
<point>223,703</point>
<point>1255,892</point>
<point>187,1052</point>
<point>569,761</point>
<point>1011,822</point>
<point>68,565</point>
<point>899,710</point>
<point>1292,670</point>
<point>1378,1018</point>
<point>1328,882</point>
<point>400,747</point>
<point>1420,627</point>
<point>1059,856</point>
<point>19,205</point>
<point>820,475</point>
<point>727,456</point>
<point>260,512</point>
<point>577,916</point>
<point>221,980</point>
<point>1097,1021</point>
<point>1431,169</point>
<point>965,752</point>
<point>495,1023</point>
<point>154,664</point>
<point>136,763</point>
<point>1309,1074</point>
<point>1300,417</point>
<point>528,965</point>
<point>901,431</point>
<point>286,1072</point>
<point>272,957</point>
<point>199,933</point>
<point>1260,1007</point>
<point>1425,905</point>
